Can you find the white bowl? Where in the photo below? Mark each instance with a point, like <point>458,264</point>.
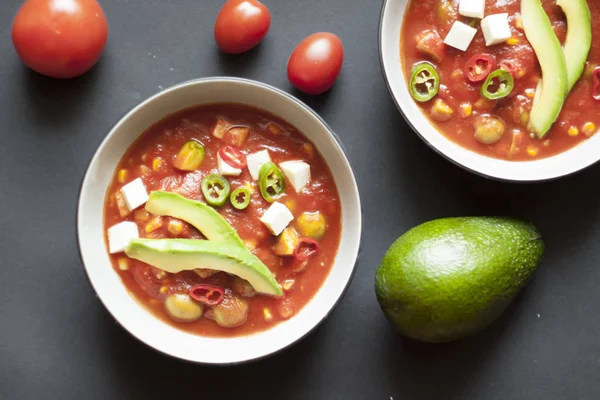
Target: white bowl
<point>107,284</point>
<point>573,160</point>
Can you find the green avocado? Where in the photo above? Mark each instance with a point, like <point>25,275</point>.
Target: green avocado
<point>579,37</point>
<point>550,96</point>
<point>201,216</point>
<point>175,255</point>
<point>451,278</point>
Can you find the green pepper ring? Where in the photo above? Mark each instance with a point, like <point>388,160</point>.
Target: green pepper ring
<point>234,198</point>
<point>270,181</point>
<point>215,184</point>
<point>416,78</point>
<point>504,78</point>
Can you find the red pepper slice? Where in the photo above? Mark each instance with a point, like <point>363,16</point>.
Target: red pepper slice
<point>305,248</point>
<point>207,294</point>
<point>479,67</point>
<point>596,86</point>
<point>233,157</point>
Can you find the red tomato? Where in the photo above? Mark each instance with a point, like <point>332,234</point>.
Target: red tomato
<point>60,38</point>
<point>315,64</point>
<point>241,25</point>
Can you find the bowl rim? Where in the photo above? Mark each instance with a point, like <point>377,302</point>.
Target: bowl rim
<point>353,188</point>
<point>463,165</point>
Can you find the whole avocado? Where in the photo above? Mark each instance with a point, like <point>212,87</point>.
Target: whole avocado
<point>451,278</point>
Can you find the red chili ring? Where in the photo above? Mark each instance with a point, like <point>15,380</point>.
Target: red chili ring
<point>206,294</point>
<point>306,248</point>
<point>233,157</point>
<point>479,67</point>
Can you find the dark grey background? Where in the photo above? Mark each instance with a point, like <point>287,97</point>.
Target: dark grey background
<point>58,342</point>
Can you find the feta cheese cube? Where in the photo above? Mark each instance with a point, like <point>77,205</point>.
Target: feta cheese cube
<point>226,169</point>
<point>134,194</point>
<point>297,172</point>
<point>120,235</point>
<point>256,160</point>
<point>472,8</point>
<point>460,36</point>
<point>277,218</point>
<point>495,29</point>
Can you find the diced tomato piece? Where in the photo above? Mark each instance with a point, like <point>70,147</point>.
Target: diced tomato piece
<point>431,44</point>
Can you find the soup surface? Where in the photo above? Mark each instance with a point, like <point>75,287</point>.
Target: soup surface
<point>496,128</point>
<point>315,208</point>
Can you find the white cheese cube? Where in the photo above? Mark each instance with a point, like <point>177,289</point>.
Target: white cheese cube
<point>134,194</point>
<point>277,218</point>
<point>472,8</point>
<point>297,172</point>
<point>120,235</point>
<point>495,29</point>
<point>460,36</point>
<point>256,160</point>
<point>226,169</point>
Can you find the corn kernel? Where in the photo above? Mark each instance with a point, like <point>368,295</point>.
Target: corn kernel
<point>288,284</point>
<point>530,93</point>
<point>141,215</point>
<point>309,150</point>
<point>157,164</point>
<point>457,73</point>
<point>519,23</point>
<point>122,175</point>
<point>123,263</point>
<point>285,311</point>
<point>521,73</point>
<point>250,244</point>
<point>532,151</point>
<point>274,128</point>
<point>144,170</point>
<point>513,41</point>
<point>160,274</point>
<point>573,131</point>
<point>441,111</point>
<point>589,69</point>
<point>163,289</point>
<point>589,128</point>
<point>466,109</point>
<point>524,118</point>
<point>144,157</point>
<point>291,204</point>
<point>249,186</point>
<point>268,315</point>
<point>175,227</point>
<point>546,143</point>
<point>154,224</point>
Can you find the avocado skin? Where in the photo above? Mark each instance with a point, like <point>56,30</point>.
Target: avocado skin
<point>451,278</point>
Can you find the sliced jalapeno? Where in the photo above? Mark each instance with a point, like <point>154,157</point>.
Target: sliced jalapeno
<point>270,181</point>
<point>215,189</point>
<point>424,82</point>
<point>498,85</point>
<point>240,198</point>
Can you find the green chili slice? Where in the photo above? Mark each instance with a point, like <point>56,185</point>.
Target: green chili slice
<point>498,85</point>
<point>270,181</point>
<point>215,189</point>
<point>240,198</point>
<point>424,82</point>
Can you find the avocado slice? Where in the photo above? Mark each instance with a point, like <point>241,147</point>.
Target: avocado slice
<point>551,94</point>
<point>579,37</point>
<point>175,255</point>
<point>201,216</point>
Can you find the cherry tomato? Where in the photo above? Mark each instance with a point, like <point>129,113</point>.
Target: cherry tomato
<point>60,38</point>
<point>315,64</point>
<point>233,157</point>
<point>241,25</point>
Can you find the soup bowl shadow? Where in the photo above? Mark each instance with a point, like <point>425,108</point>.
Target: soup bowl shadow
<point>563,164</point>
<point>106,282</point>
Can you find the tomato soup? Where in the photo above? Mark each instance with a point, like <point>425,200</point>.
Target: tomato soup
<point>156,159</point>
<point>496,127</point>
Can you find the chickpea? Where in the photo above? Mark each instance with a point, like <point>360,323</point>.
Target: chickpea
<point>488,129</point>
<point>182,308</point>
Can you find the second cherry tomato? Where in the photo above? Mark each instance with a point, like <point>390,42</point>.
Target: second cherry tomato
<point>316,63</point>
<point>241,25</point>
